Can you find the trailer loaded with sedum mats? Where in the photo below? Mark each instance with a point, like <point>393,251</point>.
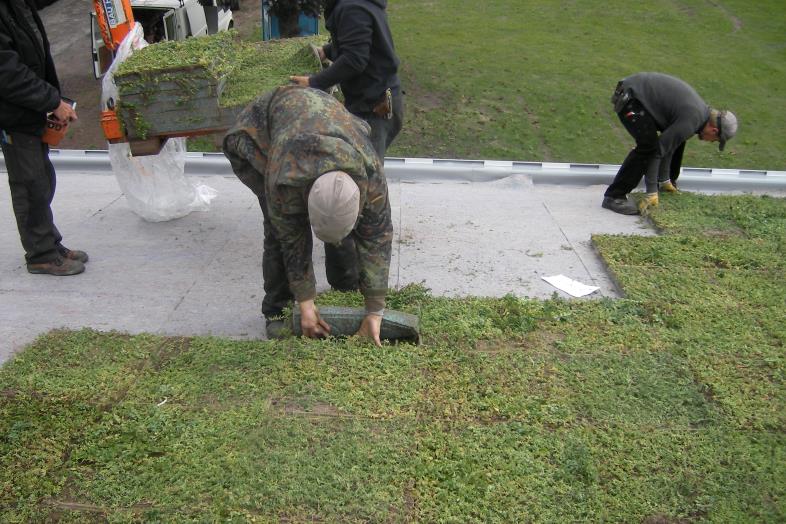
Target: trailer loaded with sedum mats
<point>199,85</point>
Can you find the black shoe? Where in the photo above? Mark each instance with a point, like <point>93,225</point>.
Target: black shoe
<point>60,267</point>
<point>622,205</point>
<point>276,328</point>
<point>73,254</point>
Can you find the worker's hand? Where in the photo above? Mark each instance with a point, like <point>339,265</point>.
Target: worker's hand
<point>668,187</point>
<point>310,322</point>
<point>64,112</point>
<point>319,53</point>
<point>370,328</point>
<point>649,201</point>
<point>299,80</point>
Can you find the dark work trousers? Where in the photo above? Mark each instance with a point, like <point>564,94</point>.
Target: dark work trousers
<point>384,130</point>
<point>341,265</point>
<point>676,163</point>
<point>644,130</point>
<point>31,178</point>
<point>274,272</point>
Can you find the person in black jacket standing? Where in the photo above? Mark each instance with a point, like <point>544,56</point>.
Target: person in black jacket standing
<point>365,65</point>
<point>29,92</point>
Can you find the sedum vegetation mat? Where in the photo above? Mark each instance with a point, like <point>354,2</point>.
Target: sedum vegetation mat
<point>202,83</point>
<point>666,406</point>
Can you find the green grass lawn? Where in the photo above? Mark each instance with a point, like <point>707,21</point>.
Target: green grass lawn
<point>666,406</point>
<point>531,80</point>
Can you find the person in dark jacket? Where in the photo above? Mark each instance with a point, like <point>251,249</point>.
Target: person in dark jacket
<point>648,104</point>
<point>312,166</point>
<point>364,64</point>
<point>29,91</point>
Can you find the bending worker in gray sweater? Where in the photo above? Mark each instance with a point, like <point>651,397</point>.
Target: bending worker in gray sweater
<point>652,103</point>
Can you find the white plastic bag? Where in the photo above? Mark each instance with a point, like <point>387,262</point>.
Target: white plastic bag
<point>155,186</point>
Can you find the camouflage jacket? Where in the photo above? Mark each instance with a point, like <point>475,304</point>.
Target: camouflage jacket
<point>279,145</point>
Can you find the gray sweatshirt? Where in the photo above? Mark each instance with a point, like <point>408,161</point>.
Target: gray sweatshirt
<point>678,111</point>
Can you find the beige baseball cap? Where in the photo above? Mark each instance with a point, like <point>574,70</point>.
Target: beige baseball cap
<point>333,206</point>
<point>726,123</point>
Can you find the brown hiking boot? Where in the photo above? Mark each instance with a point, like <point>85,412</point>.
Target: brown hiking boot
<point>73,254</point>
<point>60,267</point>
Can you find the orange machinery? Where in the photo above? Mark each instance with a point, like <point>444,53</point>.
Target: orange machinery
<point>115,19</point>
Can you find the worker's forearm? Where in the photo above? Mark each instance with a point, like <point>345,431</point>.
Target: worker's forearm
<point>375,302</point>
<point>303,290</point>
<point>339,71</point>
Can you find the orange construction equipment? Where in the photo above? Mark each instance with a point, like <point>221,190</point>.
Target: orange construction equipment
<point>113,131</point>
<point>115,19</point>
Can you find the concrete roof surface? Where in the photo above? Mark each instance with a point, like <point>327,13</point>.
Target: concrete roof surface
<point>201,274</point>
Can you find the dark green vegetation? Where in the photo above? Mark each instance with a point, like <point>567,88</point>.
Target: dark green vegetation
<point>666,406</point>
<point>531,80</point>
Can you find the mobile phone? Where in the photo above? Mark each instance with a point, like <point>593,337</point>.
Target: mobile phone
<point>70,102</point>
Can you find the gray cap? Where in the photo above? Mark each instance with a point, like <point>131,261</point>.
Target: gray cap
<point>726,123</point>
<point>333,206</point>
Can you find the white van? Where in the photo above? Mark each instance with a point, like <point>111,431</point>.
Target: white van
<point>166,20</point>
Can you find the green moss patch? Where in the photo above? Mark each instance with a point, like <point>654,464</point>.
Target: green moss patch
<point>248,69</point>
<point>200,84</point>
<point>664,406</point>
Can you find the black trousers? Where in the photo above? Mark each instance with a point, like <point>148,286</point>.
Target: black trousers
<point>644,130</point>
<point>341,267</point>
<point>31,178</point>
<point>676,163</point>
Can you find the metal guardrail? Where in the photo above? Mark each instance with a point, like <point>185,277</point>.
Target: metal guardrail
<point>435,170</point>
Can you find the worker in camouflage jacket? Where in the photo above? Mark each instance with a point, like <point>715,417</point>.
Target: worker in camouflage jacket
<point>312,166</point>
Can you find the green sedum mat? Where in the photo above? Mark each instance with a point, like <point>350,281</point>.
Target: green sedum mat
<point>200,84</point>
<point>666,406</point>
<point>249,68</point>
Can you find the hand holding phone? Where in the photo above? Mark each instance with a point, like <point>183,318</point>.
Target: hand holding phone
<point>66,111</point>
